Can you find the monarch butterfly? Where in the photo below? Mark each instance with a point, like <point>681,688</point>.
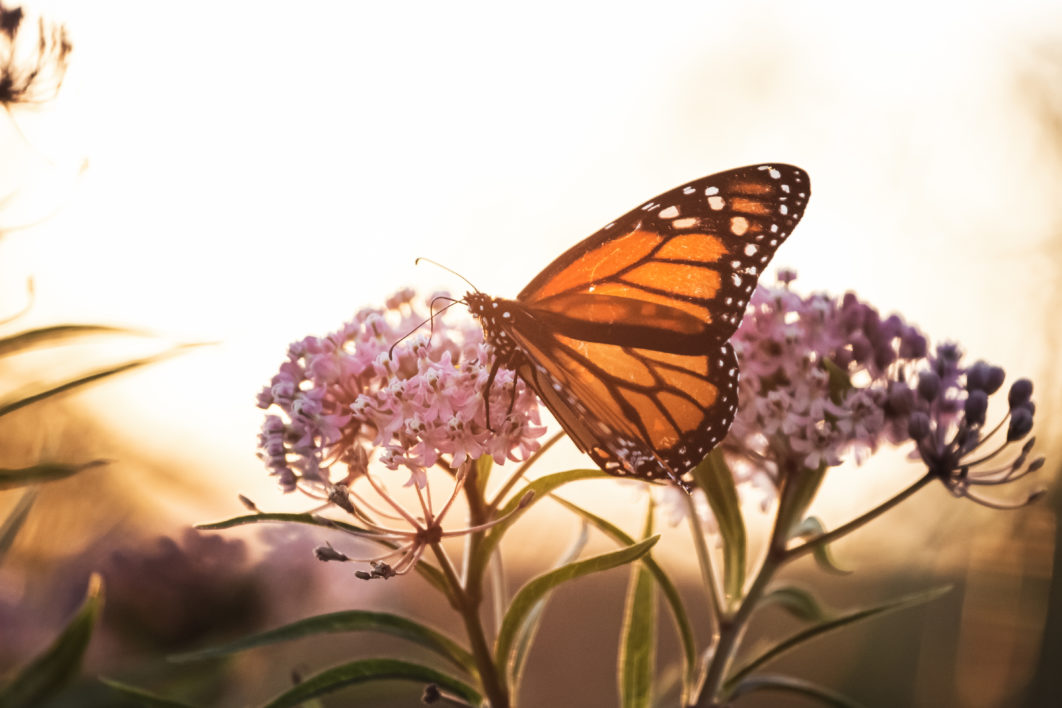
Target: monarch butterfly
<point>624,337</point>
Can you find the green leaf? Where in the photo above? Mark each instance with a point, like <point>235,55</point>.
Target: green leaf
<point>529,594</point>
<point>840,383</point>
<point>57,334</point>
<point>671,594</point>
<point>34,394</point>
<point>798,491</point>
<point>427,571</point>
<point>348,621</point>
<point>526,634</point>
<point>811,528</point>
<point>637,656</point>
<point>47,673</point>
<point>10,528</point>
<point>44,472</point>
<point>142,697</point>
<point>713,476</point>
<point>800,687</point>
<point>818,630</point>
<point>799,602</point>
<point>367,670</point>
<point>484,464</point>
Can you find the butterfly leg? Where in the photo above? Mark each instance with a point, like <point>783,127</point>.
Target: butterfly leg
<point>486,390</point>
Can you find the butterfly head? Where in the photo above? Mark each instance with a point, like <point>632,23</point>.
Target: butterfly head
<point>495,316</point>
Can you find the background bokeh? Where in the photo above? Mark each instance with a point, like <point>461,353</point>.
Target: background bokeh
<point>249,173</point>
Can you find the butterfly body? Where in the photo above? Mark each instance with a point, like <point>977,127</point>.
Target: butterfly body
<point>625,336</point>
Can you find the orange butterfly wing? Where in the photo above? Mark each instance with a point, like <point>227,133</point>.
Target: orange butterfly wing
<point>624,336</point>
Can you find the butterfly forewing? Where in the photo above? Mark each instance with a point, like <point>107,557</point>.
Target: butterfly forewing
<point>698,248</point>
<point>624,336</point>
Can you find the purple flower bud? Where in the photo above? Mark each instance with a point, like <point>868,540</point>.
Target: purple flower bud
<point>884,355</point>
<point>975,407</point>
<point>984,377</point>
<point>1020,393</point>
<point>900,399</point>
<point>918,427</point>
<point>1021,422</point>
<point>928,385</point>
<point>892,327</point>
<point>913,344</point>
<point>861,347</point>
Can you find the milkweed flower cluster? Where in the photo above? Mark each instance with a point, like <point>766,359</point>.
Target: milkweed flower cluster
<point>815,375</point>
<point>822,376</point>
<point>944,412</point>
<point>416,404</point>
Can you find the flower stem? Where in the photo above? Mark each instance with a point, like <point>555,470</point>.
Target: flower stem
<point>844,529</point>
<point>704,559</point>
<point>468,607</point>
<point>731,629</point>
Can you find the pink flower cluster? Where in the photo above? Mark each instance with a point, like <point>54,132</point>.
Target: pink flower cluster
<point>417,403</point>
<point>815,376</point>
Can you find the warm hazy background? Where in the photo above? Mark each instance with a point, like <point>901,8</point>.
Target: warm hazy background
<point>259,171</point>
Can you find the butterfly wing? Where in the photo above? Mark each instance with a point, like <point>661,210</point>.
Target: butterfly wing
<point>635,410</point>
<point>624,336</point>
<point>698,248</point>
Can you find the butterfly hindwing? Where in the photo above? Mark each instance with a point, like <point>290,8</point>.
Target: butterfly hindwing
<point>636,411</point>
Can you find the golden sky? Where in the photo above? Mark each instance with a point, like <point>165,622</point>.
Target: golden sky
<point>259,171</point>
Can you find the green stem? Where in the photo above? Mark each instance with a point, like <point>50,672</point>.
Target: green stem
<point>704,559</point>
<point>844,529</point>
<point>732,629</point>
<point>468,608</point>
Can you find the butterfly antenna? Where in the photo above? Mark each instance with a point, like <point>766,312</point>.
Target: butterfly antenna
<point>448,270</point>
<point>431,320</point>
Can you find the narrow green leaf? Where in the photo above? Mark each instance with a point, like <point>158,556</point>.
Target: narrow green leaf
<point>529,594</point>
<point>34,394</point>
<point>811,528</point>
<point>142,697</point>
<point>51,670</point>
<point>799,491</point>
<point>800,687</point>
<point>671,594</point>
<point>58,334</point>
<point>366,670</point>
<point>427,571</point>
<point>637,655</point>
<point>799,602</point>
<point>44,472</point>
<point>347,621</point>
<point>818,630</point>
<point>526,634</point>
<point>713,476</point>
<point>10,528</point>
<point>484,464</point>
<point>840,382</point>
